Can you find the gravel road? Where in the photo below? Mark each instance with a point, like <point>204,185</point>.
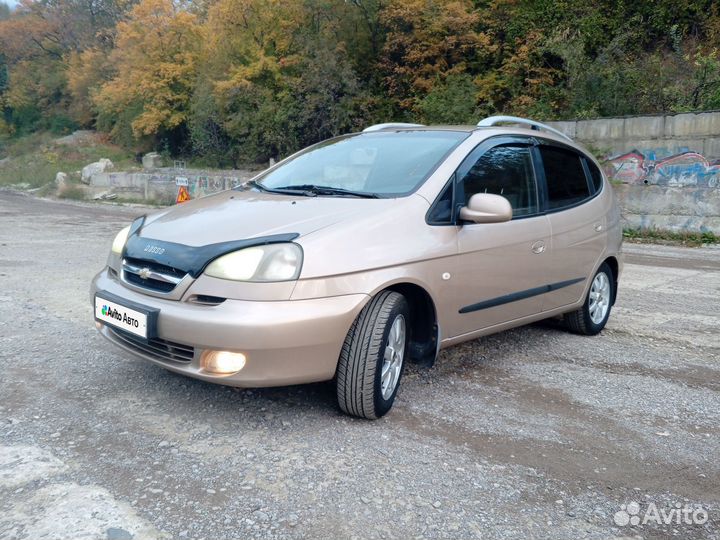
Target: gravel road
<point>532,433</point>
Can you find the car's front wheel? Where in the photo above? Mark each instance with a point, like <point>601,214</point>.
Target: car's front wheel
<point>373,355</point>
<point>592,317</point>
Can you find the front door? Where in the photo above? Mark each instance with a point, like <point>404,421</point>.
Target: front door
<point>500,274</point>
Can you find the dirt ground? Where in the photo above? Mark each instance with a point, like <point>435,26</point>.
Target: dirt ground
<point>532,433</point>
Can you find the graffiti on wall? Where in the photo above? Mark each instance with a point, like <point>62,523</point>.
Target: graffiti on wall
<point>200,185</point>
<point>686,168</point>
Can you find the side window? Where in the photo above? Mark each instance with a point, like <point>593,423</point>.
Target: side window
<point>506,171</point>
<point>566,180</point>
<point>595,174</point>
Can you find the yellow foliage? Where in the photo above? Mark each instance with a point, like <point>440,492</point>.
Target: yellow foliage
<point>429,40</point>
<point>21,37</point>
<point>521,79</point>
<point>250,41</point>
<point>5,128</point>
<point>86,72</point>
<point>34,83</point>
<point>156,61</point>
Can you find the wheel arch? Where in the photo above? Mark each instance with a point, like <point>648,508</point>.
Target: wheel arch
<point>614,265</point>
<point>425,328</point>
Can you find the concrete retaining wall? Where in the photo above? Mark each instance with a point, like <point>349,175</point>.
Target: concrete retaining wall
<point>678,209</point>
<point>160,185</point>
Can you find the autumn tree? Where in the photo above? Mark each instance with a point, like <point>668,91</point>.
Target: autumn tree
<point>431,49</point>
<point>87,72</point>
<point>234,81</point>
<point>278,75</point>
<point>155,63</point>
<point>37,40</point>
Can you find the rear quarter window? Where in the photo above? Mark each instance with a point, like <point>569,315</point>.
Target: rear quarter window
<point>567,184</point>
<point>595,175</point>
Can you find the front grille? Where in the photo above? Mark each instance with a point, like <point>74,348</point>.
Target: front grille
<point>156,267</point>
<point>161,278</point>
<point>153,284</point>
<point>155,347</point>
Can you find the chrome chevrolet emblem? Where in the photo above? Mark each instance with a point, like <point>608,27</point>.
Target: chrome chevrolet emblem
<point>144,273</point>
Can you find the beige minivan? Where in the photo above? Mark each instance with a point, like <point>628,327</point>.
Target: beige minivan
<point>364,251</point>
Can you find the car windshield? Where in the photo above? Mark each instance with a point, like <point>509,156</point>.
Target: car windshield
<point>384,164</point>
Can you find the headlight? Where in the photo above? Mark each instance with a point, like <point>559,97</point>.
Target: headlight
<point>273,262</point>
<point>119,242</point>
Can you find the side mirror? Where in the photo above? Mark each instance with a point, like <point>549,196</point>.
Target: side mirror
<point>486,208</point>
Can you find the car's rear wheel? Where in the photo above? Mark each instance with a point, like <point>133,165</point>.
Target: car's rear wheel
<point>592,317</point>
<point>373,355</point>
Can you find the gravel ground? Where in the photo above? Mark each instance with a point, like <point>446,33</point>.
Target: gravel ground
<point>532,433</point>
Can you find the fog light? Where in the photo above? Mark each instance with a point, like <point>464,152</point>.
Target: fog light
<point>223,362</point>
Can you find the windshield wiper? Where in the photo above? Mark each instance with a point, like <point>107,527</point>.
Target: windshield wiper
<point>327,190</point>
<point>290,190</point>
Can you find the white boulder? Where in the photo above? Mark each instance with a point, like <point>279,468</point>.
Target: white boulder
<point>61,179</point>
<point>100,166</point>
<point>153,160</point>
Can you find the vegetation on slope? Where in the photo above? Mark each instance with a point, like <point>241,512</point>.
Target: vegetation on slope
<point>233,81</point>
<point>32,161</point>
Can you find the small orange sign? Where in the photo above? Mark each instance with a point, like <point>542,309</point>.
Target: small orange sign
<point>183,195</point>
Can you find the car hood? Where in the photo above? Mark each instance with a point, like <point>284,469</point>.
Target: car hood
<point>235,215</point>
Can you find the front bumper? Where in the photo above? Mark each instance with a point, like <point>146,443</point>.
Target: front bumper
<point>285,342</point>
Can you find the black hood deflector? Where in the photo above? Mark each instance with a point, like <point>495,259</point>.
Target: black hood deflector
<point>190,259</point>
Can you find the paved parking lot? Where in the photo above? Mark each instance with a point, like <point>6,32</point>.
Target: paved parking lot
<point>533,433</point>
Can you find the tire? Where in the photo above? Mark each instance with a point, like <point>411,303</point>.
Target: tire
<point>374,334</point>
<point>587,320</point>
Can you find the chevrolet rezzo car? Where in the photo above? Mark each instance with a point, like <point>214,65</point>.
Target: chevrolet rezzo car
<point>362,252</point>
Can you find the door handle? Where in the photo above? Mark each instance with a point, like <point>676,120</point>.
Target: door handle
<point>598,227</point>
<point>538,247</point>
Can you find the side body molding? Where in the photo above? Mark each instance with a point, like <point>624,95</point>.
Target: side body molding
<point>520,295</point>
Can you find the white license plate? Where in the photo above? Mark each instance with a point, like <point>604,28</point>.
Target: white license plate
<point>122,317</point>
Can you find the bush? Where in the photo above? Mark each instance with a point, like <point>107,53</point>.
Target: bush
<point>75,193</point>
<point>683,237</point>
<point>62,125</point>
<point>453,102</point>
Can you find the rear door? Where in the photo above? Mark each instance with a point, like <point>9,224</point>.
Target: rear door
<point>577,222</point>
<point>500,269</point>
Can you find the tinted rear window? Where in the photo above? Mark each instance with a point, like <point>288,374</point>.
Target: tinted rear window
<point>566,180</point>
<point>595,174</point>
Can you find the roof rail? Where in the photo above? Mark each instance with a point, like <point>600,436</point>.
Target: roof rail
<point>495,120</point>
<point>391,125</point>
